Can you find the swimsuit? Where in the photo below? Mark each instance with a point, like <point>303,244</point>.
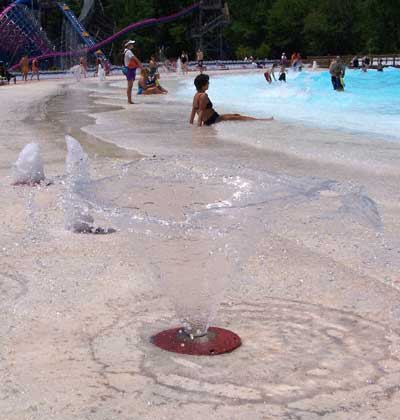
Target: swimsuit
<point>213,119</point>
<point>130,74</point>
<point>214,116</point>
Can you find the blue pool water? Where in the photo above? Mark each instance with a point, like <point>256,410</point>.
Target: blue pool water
<point>370,103</point>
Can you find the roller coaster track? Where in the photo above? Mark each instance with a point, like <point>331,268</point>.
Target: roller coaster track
<point>87,40</point>
<point>91,47</point>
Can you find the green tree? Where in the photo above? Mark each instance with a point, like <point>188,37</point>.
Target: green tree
<point>261,28</point>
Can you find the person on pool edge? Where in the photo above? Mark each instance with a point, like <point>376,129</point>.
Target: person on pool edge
<point>203,107</point>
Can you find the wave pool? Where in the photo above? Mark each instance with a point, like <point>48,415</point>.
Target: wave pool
<point>369,105</point>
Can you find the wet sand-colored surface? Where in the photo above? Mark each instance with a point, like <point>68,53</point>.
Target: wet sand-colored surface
<point>316,303</point>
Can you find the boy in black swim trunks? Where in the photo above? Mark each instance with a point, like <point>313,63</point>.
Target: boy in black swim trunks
<point>203,107</point>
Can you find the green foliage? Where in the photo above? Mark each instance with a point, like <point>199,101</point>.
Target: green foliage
<point>265,28</point>
<point>242,52</point>
<point>263,51</point>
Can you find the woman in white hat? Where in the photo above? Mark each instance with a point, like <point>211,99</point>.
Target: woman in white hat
<point>131,63</point>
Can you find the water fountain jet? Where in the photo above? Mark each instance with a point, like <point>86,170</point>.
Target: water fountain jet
<point>77,209</point>
<point>178,66</point>
<point>102,74</point>
<point>194,264</point>
<point>28,169</point>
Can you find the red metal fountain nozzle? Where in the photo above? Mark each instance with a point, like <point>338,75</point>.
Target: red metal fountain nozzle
<point>215,341</point>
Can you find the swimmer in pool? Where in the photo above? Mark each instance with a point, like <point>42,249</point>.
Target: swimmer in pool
<point>203,107</point>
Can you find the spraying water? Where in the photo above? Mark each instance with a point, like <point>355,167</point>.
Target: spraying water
<point>76,72</point>
<point>79,191</point>
<point>77,214</point>
<point>102,74</point>
<point>178,66</point>
<point>28,169</point>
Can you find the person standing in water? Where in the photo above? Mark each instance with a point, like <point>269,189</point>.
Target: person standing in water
<point>35,68</point>
<point>200,58</point>
<point>83,66</point>
<point>153,68</point>
<point>270,74</point>
<point>267,76</point>
<point>282,73</point>
<point>24,64</point>
<point>99,63</point>
<point>355,62</point>
<point>131,63</point>
<point>185,62</point>
<point>203,107</point>
<point>336,70</point>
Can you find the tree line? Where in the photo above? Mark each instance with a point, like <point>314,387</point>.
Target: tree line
<point>259,28</point>
<point>265,28</point>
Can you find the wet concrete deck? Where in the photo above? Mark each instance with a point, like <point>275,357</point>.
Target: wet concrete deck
<point>317,307</point>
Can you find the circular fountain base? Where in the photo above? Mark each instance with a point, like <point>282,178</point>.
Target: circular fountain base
<point>216,341</point>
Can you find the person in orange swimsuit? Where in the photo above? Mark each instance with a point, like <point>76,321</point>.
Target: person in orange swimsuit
<point>83,66</point>
<point>35,68</point>
<point>24,64</point>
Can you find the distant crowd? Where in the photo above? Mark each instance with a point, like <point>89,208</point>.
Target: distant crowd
<point>149,76</point>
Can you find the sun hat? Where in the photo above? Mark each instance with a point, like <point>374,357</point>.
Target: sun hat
<point>129,42</point>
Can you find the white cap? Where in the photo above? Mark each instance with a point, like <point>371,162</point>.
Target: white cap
<point>129,42</point>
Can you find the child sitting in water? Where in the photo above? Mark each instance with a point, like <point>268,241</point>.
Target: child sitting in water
<point>148,87</point>
<point>203,107</point>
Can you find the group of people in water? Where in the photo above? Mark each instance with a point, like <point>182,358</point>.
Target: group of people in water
<point>296,64</point>
<point>337,69</point>
<point>270,73</point>
<point>149,79</point>
<point>148,84</point>
<point>33,68</point>
<point>365,63</point>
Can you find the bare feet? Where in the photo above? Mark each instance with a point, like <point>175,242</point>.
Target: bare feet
<point>130,102</point>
